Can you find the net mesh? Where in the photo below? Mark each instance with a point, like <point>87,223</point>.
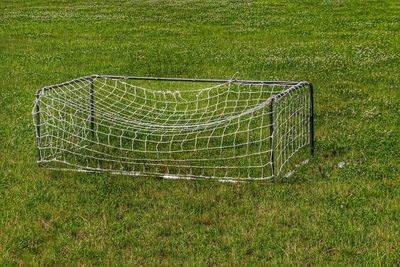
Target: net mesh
<point>227,131</point>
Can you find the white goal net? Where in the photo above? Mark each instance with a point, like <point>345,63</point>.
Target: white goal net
<point>231,130</point>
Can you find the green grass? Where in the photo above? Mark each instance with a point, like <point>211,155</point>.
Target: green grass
<point>321,215</point>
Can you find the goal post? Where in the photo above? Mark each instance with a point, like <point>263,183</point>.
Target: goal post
<point>233,130</point>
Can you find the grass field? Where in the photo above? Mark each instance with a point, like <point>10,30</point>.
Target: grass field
<point>321,215</point>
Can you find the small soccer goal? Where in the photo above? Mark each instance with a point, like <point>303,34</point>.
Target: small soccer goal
<point>175,128</point>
